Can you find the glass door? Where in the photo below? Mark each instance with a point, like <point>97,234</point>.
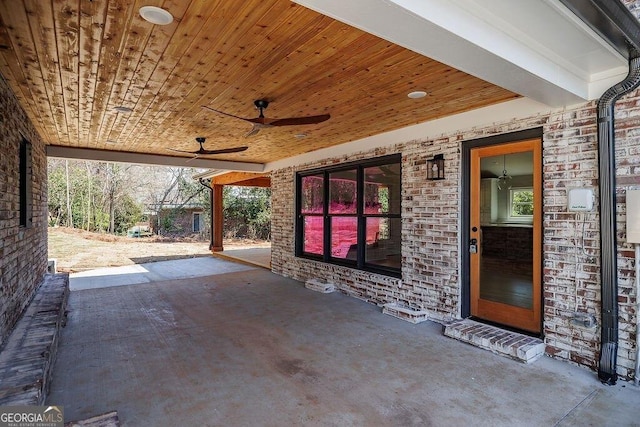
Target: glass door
<point>505,243</point>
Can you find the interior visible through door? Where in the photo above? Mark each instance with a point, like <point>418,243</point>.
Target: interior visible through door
<point>506,221</point>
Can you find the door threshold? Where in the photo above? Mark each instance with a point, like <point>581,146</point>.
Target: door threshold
<point>514,345</point>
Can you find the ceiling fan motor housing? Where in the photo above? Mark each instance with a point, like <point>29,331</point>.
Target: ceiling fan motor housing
<point>261,104</point>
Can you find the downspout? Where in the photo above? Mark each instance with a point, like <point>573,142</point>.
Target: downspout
<point>207,185</point>
<point>608,230</point>
<point>636,378</point>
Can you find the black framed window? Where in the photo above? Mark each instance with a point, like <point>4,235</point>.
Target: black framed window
<point>350,215</point>
<point>26,172</point>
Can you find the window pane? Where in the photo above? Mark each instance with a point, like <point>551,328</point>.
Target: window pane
<point>383,242</point>
<point>343,192</point>
<point>522,202</point>
<point>312,233</point>
<point>344,237</point>
<point>312,190</point>
<point>382,189</point>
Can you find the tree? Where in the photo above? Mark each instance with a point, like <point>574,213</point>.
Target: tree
<point>112,197</point>
<point>247,212</point>
<point>174,188</point>
<point>522,203</point>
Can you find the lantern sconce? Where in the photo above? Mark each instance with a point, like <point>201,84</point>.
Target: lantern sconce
<point>435,167</point>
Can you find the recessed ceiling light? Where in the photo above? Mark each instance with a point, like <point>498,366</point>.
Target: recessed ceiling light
<point>121,109</point>
<point>301,135</point>
<point>156,15</point>
<point>417,94</point>
<point>111,141</point>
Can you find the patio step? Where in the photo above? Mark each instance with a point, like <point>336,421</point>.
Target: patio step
<point>404,313</point>
<point>320,286</point>
<point>28,354</point>
<point>499,341</point>
<point>109,419</point>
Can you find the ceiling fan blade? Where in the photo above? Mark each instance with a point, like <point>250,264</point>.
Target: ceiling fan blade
<point>182,151</point>
<point>192,158</point>
<point>227,114</point>
<point>292,121</point>
<point>257,127</point>
<point>222,151</point>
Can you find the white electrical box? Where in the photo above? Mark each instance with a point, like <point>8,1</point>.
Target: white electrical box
<point>633,216</point>
<point>580,199</point>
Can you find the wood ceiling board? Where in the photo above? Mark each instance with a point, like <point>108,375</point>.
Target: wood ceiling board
<point>190,103</point>
<point>24,65</point>
<point>150,78</point>
<point>180,83</point>
<point>262,182</point>
<point>92,19</point>
<point>241,178</point>
<point>109,53</point>
<point>40,15</point>
<point>223,54</point>
<point>67,32</point>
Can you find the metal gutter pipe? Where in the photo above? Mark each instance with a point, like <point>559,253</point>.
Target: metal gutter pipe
<point>608,230</point>
<point>636,379</point>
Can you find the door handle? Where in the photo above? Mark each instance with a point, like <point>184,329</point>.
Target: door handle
<point>473,246</point>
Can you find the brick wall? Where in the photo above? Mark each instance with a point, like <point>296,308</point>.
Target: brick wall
<point>431,229</point>
<point>23,251</point>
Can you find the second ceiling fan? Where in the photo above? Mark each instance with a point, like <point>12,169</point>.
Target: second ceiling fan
<point>262,122</point>
<point>204,152</point>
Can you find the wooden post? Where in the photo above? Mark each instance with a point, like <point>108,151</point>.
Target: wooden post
<point>217,219</point>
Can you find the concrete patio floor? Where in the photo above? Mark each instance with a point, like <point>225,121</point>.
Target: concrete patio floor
<point>246,347</point>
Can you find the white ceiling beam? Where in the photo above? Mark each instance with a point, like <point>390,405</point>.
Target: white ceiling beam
<point>57,151</point>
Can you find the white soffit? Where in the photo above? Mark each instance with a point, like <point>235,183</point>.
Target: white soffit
<point>536,48</point>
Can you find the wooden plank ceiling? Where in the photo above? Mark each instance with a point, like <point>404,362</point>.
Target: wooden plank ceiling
<point>72,62</point>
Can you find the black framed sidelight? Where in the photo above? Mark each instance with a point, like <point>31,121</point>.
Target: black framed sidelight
<point>350,215</point>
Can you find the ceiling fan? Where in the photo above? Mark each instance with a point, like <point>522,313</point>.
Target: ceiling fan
<point>202,152</point>
<point>262,122</point>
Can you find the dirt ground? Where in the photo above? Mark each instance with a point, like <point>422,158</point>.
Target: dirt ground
<point>79,250</point>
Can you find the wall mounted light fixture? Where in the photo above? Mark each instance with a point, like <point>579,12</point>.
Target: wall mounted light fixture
<point>435,167</point>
